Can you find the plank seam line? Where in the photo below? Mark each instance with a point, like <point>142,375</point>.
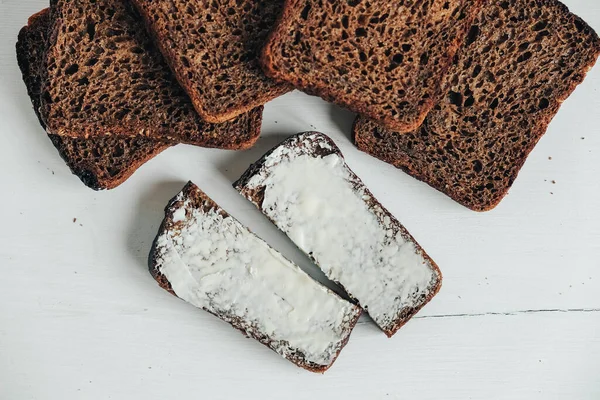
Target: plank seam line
<point>513,313</point>
<point>507,313</point>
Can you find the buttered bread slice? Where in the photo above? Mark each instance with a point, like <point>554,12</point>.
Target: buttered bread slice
<point>207,258</point>
<point>305,187</point>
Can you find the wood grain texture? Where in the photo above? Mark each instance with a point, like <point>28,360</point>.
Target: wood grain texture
<point>80,317</point>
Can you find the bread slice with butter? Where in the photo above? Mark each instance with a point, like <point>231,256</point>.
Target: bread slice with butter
<point>305,187</point>
<point>207,258</point>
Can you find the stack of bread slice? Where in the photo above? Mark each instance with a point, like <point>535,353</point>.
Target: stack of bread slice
<point>109,100</point>
<point>455,92</point>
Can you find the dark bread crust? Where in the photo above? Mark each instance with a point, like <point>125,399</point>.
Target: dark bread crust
<point>498,105</point>
<point>104,77</point>
<point>105,163</point>
<point>256,196</point>
<point>101,163</point>
<point>384,73</point>
<point>183,31</point>
<point>31,48</point>
<point>197,199</point>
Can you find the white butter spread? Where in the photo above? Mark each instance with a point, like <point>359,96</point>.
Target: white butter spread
<point>215,263</point>
<point>321,205</point>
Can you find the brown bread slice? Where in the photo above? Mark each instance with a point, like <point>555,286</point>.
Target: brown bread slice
<point>105,163</point>
<point>101,163</point>
<point>212,47</point>
<point>207,258</point>
<point>104,77</point>
<point>305,188</point>
<point>384,59</point>
<point>522,59</point>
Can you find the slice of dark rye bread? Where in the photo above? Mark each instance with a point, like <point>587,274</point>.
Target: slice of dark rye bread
<point>207,258</point>
<point>305,188</point>
<point>384,59</point>
<point>101,163</point>
<point>522,59</point>
<point>104,77</point>
<point>212,47</point>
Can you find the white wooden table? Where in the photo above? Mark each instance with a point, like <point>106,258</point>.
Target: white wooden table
<point>518,316</point>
